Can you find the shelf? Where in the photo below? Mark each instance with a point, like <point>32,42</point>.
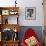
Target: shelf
<point>9,10</point>
<point>10,26</point>
<point>2,8</point>
<point>11,41</point>
<point>5,12</point>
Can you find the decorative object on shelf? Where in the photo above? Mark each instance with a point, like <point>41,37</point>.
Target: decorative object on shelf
<point>13,12</point>
<point>5,12</point>
<point>6,21</point>
<point>30,13</point>
<point>15,30</point>
<point>7,34</point>
<point>15,3</point>
<point>15,37</point>
<point>15,34</point>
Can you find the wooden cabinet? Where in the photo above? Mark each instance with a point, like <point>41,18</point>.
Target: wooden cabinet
<point>9,25</point>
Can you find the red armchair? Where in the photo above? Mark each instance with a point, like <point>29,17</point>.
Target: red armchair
<point>28,34</point>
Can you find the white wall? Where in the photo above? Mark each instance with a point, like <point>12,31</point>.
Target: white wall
<point>39,12</point>
<point>27,3</point>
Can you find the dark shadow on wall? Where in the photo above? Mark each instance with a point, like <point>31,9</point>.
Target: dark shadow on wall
<point>37,29</point>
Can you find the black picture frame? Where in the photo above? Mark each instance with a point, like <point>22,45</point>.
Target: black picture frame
<point>30,13</point>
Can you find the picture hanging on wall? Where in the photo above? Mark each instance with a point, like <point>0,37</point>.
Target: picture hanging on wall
<point>30,13</point>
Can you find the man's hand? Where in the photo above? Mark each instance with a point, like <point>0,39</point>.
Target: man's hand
<point>31,41</point>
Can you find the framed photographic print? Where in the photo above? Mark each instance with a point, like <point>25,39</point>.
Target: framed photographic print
<point>5,12</point>
<point>30,13</point>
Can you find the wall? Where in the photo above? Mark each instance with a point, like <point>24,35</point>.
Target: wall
<point>22,4</point>
<point>39,13</point>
